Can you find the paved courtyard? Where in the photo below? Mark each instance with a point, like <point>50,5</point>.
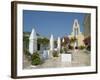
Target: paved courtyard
<point>79,58</point>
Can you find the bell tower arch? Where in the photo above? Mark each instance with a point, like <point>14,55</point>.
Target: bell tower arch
<point>76,28</point>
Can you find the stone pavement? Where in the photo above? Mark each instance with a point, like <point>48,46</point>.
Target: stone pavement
<point>79,58</point>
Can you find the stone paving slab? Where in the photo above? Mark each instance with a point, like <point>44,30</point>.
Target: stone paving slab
<point>79,58</point>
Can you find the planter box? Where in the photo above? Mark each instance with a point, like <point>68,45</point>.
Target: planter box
<point>66,57</point>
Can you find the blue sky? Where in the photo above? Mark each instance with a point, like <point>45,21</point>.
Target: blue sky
<point>47,22</point>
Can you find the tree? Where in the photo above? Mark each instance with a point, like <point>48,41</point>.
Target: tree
<point>72,40</point>
<point>66,41</point>
<point>43,41</point>
<point>26,39</point>
<point>87,42</point>
<point>55,43</point>
<point>25,45</point>
<point>25,42</point>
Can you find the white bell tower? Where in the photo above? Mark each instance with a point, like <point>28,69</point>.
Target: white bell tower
<point>76,31</point>
<point>76,28</point>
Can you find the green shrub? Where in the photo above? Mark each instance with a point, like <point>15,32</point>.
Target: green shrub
<point>61,51</point>
<point>65,49</point>
<point>88,48</point>
<point>55,54</point>
<point>70,47</point>
<point>81,47</point>
<point>36,59</point>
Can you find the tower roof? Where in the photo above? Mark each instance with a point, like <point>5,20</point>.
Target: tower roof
<point>76,24</point>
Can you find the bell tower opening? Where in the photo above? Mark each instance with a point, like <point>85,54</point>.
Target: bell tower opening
<point>76,31</point>
<point>76,28</point>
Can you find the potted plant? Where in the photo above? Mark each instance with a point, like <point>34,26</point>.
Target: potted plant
<point>36,60</point>
<point>55,54</point>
